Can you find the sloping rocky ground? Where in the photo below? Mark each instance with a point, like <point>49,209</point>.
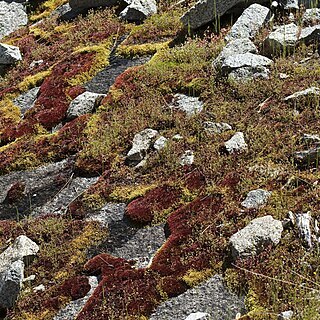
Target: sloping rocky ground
<point>159,159</point>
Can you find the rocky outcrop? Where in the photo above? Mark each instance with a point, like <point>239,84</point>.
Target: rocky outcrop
<point>138,10</point>
<point>236,144</point>
<point>86,102</point>
<point>256,199</point>
<point>187,158</point>
<point>141,143</point>
<point>27,100</point>
<point>9,54</point>
<point>216,127</point>
<point>12,16</point>
<point>205,11</point>
<point>211,297</point>
<point>258,234</point>
<point>187,104</point>
<point>249,23</point>
<point>302,221</point>
<point>12,263</point>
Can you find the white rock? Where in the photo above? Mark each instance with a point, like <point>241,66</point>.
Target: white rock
<point>253,238</point>
<point>12,16</point>
<point>160,143</point>
<point>249,23</point>
<point>302,222</point>
<point>311,16</point>
<point>216,127</point>
<point>177,137</point>
<point>285,315</point>
<point>187,104</point>
<point>40,288</point>
<point>22,249</point>
<point>84,103</point>
<point>11,283</point>
<point>141,144</point>
<point>138,10</point>
<point>312,91</point>
<point>198,316</point>
<point>256,198</point>
<point>187,158</point>
<point>236,144</point>
<point>9,54</point>
<point>237,46</point>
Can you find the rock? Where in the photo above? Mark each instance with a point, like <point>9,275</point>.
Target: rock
<point>87,4</point>
<point>312,91</point>
<point>177,137</point>
<point>302,222</point>
<point>198,316</point>
<point>236,144</point>
<point>311,16</point>
<point>216,127</point>
<point>110,212</point>
<point>292,4</point>
<point>160,143</point>
<point>238,46</point>
<point>307,158</point>
<point>253,238</point>
<point>283,39</point>
<point>9,54</point>
<point>205,11</point>
<point>102,81</point>
<point>30,278</point>
<point>249,23</point>
<point>26,100</point>
<point>142,246</point>
<point>86,102</point>
<point>70,311</point>
<point>22,249</point>
<point>35,63</point>
<point>59,202</point>
<point>212,296</point>
<point>256,198</point>
<point>138,10</point>
<point>12,17</point>
<point>285,315</point>
<point>187,104</point>
<point>10,283</point>
<point>311,138</point>
<point>61,10</point>
<point>245,60</point>
<point>187,158</point>
<point>40,288</point>
<point>24,191</point>
<point>246,66</point>
<point>141,144</point>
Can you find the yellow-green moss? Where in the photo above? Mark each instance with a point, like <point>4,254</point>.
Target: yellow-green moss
<point>252,305</point>
<point>8,111</point>
<point>141,49</point>
<point>101,60</point>
<point>32,81</point>
<point>46,9</point>
<point>129,193</point>
<point>193,277</point>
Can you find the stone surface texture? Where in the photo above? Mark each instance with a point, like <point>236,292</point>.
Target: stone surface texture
<point>211,297</point>
<point>249,23</point>
<point>256,198</point>
<point>253,238</point>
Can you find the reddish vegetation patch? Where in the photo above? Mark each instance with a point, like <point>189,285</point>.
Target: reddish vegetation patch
<point>142,210</point>
<point>15,193</point>
<point>122,292</point>
<point>190,245</point>
<point>195,180</point>
<point>69,140</point>
<point>75,287</point>
<point>52,103</point>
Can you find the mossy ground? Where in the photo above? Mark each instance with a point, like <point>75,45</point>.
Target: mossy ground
<point>202,207</point>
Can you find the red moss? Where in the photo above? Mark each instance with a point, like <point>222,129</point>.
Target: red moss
<point>53,102</point>
<point>142,210</point>
<point>185,249</point>
<point>122,292</point>
<point>16,192</point>
<point>75,287</point>
<point>195,180</point>
<point>75,91</point>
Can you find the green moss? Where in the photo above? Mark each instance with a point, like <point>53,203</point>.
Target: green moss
<point>140,49</point>
<point>33,80</point>
<point>193,277</point>
<point>129,193</point>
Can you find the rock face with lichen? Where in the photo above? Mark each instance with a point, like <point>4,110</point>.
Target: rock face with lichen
<point>154,155</point>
